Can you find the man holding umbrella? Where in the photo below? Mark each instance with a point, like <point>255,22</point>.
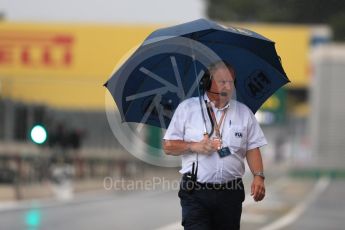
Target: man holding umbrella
<point>211,191</point>
<point>210,130</point>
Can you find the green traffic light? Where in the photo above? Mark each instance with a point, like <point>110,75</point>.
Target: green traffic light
<point>38,134</point>
<point>33,218</point>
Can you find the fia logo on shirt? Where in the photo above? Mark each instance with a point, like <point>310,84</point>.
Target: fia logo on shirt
<point>238,134</point>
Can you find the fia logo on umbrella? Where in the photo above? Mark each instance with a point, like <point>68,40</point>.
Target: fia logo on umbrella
<point>257,84</point>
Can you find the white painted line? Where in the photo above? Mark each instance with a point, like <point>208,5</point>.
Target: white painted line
<point>253,218</point>
<point>296,212</point>
<point>8,205</point>
<point>174,226</point>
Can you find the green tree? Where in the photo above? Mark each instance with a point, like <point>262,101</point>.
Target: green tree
<point>330,12</point>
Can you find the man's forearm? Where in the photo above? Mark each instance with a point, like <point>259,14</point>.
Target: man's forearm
<point>254,160</point>
<point>176,147</point>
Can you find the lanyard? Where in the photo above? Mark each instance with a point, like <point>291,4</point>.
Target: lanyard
<point>217,125</point>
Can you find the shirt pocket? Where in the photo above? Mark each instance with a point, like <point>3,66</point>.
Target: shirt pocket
<point>238,138</point>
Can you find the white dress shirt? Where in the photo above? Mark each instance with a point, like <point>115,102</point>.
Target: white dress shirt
<point>240,132</point>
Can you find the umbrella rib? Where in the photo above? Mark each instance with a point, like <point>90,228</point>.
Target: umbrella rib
<point>161,90</point>
<point>168,114</point>
<point>177,77</point>
<point>195,84</point>
<point>146,115</point>
<point>159,110</point>
<point>139,86</point>
<point>196,36</point>
<point>171,87</point>
<point>154,103</point>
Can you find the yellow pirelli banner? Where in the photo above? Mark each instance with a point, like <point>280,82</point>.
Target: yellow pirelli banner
<point>65,65</point>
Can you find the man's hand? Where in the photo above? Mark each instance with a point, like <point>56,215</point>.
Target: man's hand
<point>258,188</point>
<point>204,147</point>
<point>217,143</point>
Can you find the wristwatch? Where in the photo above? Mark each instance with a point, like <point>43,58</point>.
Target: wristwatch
<point>260,174</point>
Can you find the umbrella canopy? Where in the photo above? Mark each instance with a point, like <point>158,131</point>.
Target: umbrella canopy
<point>167,67</point>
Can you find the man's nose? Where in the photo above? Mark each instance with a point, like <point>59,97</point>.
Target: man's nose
<point>228,84</point>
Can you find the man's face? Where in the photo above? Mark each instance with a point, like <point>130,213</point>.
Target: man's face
<point>222,81</point>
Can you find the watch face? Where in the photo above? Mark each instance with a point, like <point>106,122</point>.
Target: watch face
<point>260,174</point>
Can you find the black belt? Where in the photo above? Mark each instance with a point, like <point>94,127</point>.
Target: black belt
<point>236,184</point>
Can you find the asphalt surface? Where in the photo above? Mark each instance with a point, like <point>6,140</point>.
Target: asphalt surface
<point>290,204</point>
<point>327,212</point>
<point>135,210</point>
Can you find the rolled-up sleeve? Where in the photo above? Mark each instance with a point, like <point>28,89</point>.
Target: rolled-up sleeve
<point>175,130</point>
<point>256,137</point>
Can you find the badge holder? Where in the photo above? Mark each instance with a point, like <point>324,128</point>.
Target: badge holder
<point>224,151</point>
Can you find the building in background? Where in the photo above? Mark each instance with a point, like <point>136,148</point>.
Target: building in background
<point>327,121</point>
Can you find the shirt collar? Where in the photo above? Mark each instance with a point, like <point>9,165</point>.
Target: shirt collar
<point>213,106</point>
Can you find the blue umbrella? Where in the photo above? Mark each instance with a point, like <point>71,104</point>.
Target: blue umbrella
<point>168,65</point>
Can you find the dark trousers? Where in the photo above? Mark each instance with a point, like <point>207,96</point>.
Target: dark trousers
<point>210,207</point>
